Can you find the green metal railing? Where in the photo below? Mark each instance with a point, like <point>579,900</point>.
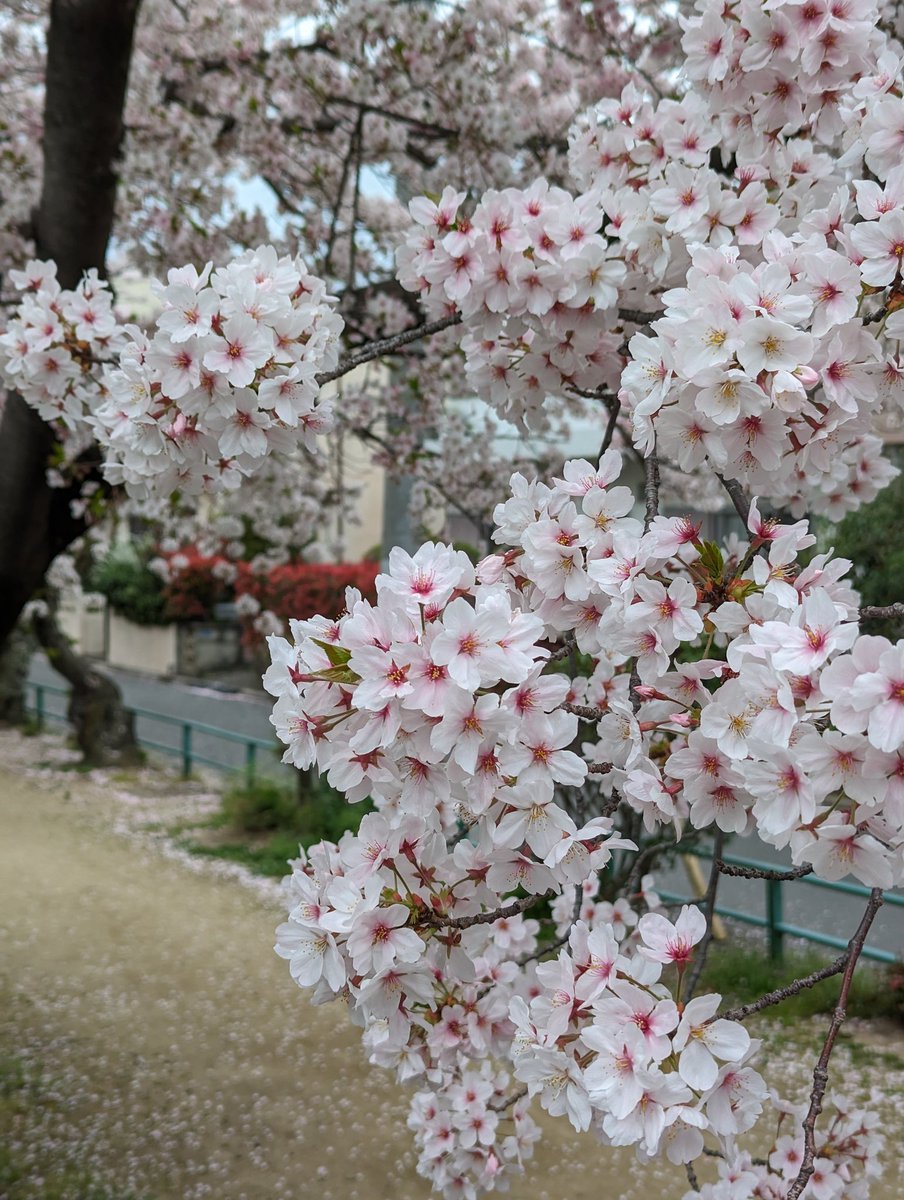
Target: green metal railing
<point>186,750</point>
<point>777,928</point>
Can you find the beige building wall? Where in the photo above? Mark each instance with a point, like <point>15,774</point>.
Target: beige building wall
<point>150,648</point>
<point>356,469</point>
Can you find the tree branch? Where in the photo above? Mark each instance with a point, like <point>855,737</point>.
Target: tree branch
<point>509,1101</point>
<point>638,317</point>
<point>821,1071</point>
<point>764,873</point>
<point>737,495</point>
<point>847,959</point>
<point>486,918</point>
<point>356,200</point>
<point>337,207</point>
<point>651,488</point>
<point>743,1011</point>
<point>587,712</point>
<point>614,407</point>
<point>388,345</point>
<point>871,612</point>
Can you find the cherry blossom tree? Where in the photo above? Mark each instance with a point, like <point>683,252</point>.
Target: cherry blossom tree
<point>723,277</point>
<point>317,106</point>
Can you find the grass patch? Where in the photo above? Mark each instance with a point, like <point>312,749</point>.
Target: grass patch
<point>268,858</point>
<point>744,973</point>
<point>262,826</point>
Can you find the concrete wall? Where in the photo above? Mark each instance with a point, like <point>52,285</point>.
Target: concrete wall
<point>150,648</point>
<point>208,647</point>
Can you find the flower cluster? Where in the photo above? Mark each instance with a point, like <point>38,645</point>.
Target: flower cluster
<point>729,690</point>
<point>228,376</point>
<point>779,267</point>
<point>53,349</point>
<point>793,728</point>
<point>535,281</point>
<point>760,373</point>
<point>843,1166</point>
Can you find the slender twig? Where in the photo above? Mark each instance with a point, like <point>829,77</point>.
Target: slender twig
<point>280,193</point>
<point>638,317</point>
<point>356,199</point>
<point>692,1176</point>
<point>709,909</point>
<point>846,959</point>
<point>485,918</point>
<point>565,648</point>
<point>337,207</point>
<point>647,855</point>
<point>764,873</point>
<point>711,1152</point>
<point>651,488</point>
<point>821,1071</point>
<point>871,612</point>
<point>737,495</point>
<point>749,554</point>
<point>508,1101</point>
<point>388,345</point>
<point>633,684</point>
<point>546,948</point>
<point>429,129</point>
<point>600,393</point>
<point>743,1011</point>
<point>587,712</point>
<point>614,407</point>
<point>368,435</point>
<point>600,768</point>
<point>613,802</point>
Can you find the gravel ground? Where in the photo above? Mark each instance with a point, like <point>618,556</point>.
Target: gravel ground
<point>167,1054</point>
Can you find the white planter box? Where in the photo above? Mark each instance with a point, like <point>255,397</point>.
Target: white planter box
<point>92,637</point>
<point>150,648</point>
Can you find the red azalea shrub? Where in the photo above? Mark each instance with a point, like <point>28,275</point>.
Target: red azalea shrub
<point>293,590</point>
<point>193,590</point>
<point>305,589</point>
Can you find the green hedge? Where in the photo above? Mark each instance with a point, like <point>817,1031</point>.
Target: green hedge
<point>131,588</point>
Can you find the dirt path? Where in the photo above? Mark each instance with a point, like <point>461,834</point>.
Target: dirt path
<point>174,1057</point>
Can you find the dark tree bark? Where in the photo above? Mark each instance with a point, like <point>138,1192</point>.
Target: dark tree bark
<point>89,47</point>
<point>104,730</point>
<point>14,661</point>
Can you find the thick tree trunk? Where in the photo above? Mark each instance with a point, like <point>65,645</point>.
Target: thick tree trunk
<point>104,730</point>
<point>89,47</point>
<point>14,661</point>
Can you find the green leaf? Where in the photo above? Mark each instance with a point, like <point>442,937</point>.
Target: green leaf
<point>712,561</point>
<point>338,675</point>
<point>337,655</point>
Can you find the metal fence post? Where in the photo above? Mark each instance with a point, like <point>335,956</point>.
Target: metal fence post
<point>250,763</point>
<point>775,917</point>
<point>186,750</point>
<point>39,705</point>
